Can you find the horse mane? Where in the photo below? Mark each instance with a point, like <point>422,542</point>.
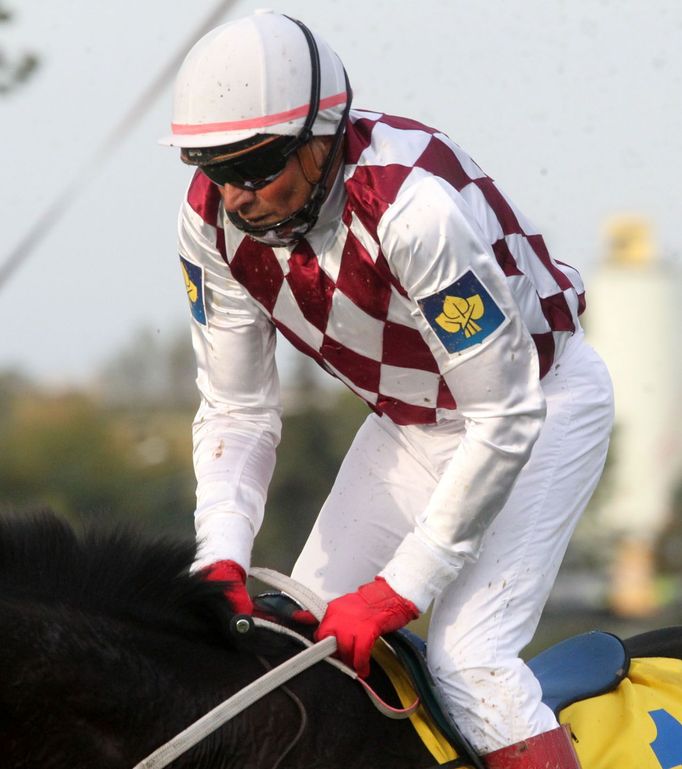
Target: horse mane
<point>113,572</point>
<point>109,646</point>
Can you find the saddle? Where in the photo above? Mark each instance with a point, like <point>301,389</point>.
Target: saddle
<point>579,668</point>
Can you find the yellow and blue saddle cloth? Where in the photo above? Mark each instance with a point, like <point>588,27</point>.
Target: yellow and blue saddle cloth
<point>624,713</point>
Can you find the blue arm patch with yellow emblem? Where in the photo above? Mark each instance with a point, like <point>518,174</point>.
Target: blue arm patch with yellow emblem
<point>194,284</point>
<point>463,314</point>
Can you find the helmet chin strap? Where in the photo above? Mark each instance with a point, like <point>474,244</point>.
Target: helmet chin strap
<point>296,225</point>
<point>289,230</point>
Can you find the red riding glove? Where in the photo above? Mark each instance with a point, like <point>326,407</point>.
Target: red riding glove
<point>235,591</point>
<point>358,619</point>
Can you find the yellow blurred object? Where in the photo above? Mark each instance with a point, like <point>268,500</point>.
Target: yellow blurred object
<point>633,580</point>
<point>629,240</point>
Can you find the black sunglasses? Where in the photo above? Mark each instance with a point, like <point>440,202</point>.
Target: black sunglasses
<point>256,169</point>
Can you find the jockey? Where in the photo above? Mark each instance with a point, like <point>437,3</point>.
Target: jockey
<point>379,248</point>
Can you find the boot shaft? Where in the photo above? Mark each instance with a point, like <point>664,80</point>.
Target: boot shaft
<point>550,750</point>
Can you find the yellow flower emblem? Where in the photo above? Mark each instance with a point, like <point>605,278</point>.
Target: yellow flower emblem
<point>460,314</point>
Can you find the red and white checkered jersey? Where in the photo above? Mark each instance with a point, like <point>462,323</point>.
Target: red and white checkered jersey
<point>345,302</point>
<point>421,287</point>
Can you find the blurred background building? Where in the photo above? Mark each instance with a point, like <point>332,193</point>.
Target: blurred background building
<point>635,320</point>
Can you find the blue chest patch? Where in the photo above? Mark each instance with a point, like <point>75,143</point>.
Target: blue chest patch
<point>463,314</point>
<point>194,285</point>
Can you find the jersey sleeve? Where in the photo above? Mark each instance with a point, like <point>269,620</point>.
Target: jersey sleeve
<point>237,426</point>
<point>468,317</point>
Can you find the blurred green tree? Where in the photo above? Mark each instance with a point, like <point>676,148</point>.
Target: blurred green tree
<point>14,69</point>
<point>86,462</point>
<point>151,371</point>
<point>122,452</point>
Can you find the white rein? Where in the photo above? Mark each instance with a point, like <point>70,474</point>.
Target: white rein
<point>311,655</point>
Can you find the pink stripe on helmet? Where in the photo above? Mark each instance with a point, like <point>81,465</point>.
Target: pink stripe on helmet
<point>260,122</point>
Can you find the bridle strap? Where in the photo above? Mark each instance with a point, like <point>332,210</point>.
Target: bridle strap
<point>311,655</point>
<point>300,593</point>
<point>303,714</point>
<point>309,600</point>
<point>215,718</point>
<point>397,714</point>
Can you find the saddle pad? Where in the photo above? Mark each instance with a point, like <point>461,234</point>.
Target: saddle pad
<point>580,667</point>
<point>432,718</point>
<point>636,726</point>
<point>422,720</point>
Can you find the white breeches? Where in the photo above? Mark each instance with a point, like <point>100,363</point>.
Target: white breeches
<point>483,620</point>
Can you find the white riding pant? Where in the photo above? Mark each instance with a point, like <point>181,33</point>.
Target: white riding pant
<point>483,620</point>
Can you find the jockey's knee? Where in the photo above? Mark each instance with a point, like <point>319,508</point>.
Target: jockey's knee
<point>494,703</point>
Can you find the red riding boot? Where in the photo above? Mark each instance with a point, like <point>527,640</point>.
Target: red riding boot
<point>550,750</point>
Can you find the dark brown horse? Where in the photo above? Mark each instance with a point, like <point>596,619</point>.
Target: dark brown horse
<point>109,647</point>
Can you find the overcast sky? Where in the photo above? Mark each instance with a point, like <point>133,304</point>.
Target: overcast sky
<point>572,106</point>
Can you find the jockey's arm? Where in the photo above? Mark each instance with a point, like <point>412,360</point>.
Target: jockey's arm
<point>237,426</point>
<point>495,384</point>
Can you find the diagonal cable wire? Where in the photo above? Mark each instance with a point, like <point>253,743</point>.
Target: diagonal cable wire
<point>66,198</point>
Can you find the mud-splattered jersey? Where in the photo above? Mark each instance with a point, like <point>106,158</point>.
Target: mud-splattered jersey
<point>421,287</point>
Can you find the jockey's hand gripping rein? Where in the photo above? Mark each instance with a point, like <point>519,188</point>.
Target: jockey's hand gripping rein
<point>358,619</point>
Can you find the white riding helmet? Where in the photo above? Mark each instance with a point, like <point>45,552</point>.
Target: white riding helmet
<point>251,77</point>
